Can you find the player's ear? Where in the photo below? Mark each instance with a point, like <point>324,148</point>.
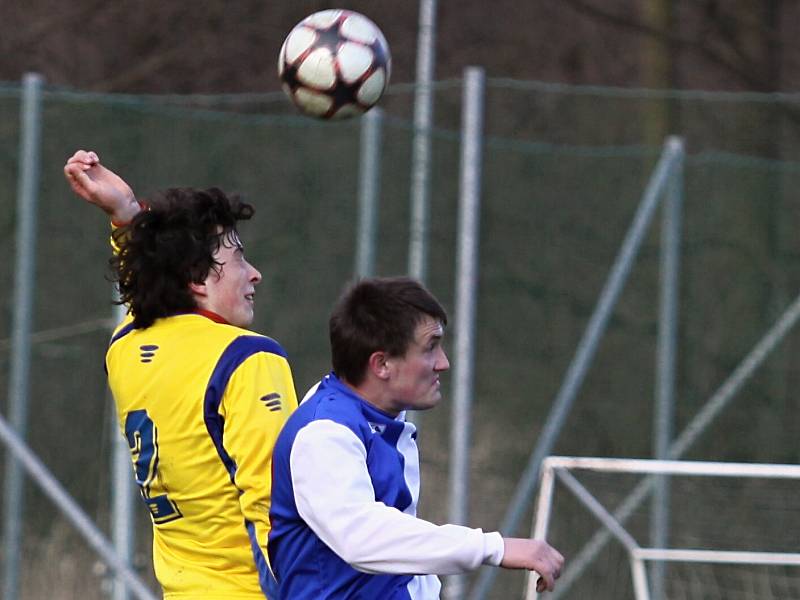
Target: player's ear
<point>378,364</point>
<point>198,289</point>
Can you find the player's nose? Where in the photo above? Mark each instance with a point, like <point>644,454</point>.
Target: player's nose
<point>442,363</point>
<point>255,275</point>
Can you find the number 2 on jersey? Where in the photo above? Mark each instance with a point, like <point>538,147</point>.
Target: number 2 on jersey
<point>142,436</point>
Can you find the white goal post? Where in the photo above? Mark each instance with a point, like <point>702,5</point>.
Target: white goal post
<point>561,468</point>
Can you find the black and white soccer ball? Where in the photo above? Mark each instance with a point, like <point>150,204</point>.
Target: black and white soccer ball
<point>335,64</point>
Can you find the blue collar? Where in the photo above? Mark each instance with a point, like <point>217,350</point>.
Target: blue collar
<point>371,412</point>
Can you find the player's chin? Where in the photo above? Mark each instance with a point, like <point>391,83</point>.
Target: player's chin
<point>432,400</point>
<point>244,319</point>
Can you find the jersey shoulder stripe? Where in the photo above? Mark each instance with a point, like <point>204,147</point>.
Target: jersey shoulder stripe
<point>239,350</point>
<point>122,332</point>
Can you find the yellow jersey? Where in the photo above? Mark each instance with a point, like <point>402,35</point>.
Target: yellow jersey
<point>201,403</point>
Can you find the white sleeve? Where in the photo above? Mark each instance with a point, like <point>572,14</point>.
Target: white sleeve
<point>334,496</point>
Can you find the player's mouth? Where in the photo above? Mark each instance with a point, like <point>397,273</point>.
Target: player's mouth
<point>250,297</point>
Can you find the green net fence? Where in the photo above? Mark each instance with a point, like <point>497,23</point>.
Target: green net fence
<point>564,170</point>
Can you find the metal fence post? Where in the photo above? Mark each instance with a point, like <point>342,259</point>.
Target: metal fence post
<point>369,185</point>
<point>24,271</point>
<point>122,491</point>
<point>466,296</point>
<point>421,150</point>
<point>665,362</point>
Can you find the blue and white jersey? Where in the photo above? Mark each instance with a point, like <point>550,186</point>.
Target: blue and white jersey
<point>344,500</point>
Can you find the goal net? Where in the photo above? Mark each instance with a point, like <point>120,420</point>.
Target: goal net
<point>650,529</point>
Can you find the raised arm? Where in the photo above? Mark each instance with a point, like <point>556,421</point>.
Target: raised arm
<point>101,187</point>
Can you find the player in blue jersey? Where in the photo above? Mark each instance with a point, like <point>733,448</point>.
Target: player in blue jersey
<point>346,473</point>
<point>199,398</point>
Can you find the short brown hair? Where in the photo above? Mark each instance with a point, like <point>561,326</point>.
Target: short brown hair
<point>379,313</point>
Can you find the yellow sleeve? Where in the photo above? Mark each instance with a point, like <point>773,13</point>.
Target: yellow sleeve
<point>112,241</point>
<point>258,399</point>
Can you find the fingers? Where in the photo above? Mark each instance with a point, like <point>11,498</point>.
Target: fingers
<point>78,180</point>
<point>79,162</point>
<point>75,171</point>
<point>547,580</point>
<point>545,583</point>
<point>84,157</point>
<point>553,563</point>
<point>559,561</point>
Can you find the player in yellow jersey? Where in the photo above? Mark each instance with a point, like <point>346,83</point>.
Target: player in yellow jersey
<point>199,398</point>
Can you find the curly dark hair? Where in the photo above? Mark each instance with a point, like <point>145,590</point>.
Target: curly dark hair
<point>170,245</point>
<point>379,313</point>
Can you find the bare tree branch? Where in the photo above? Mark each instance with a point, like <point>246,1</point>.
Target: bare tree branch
<point>140,70</point>
<point>41,28</point>
<point>752,77</point>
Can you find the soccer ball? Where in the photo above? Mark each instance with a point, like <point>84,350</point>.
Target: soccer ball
<point>335,64</point>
